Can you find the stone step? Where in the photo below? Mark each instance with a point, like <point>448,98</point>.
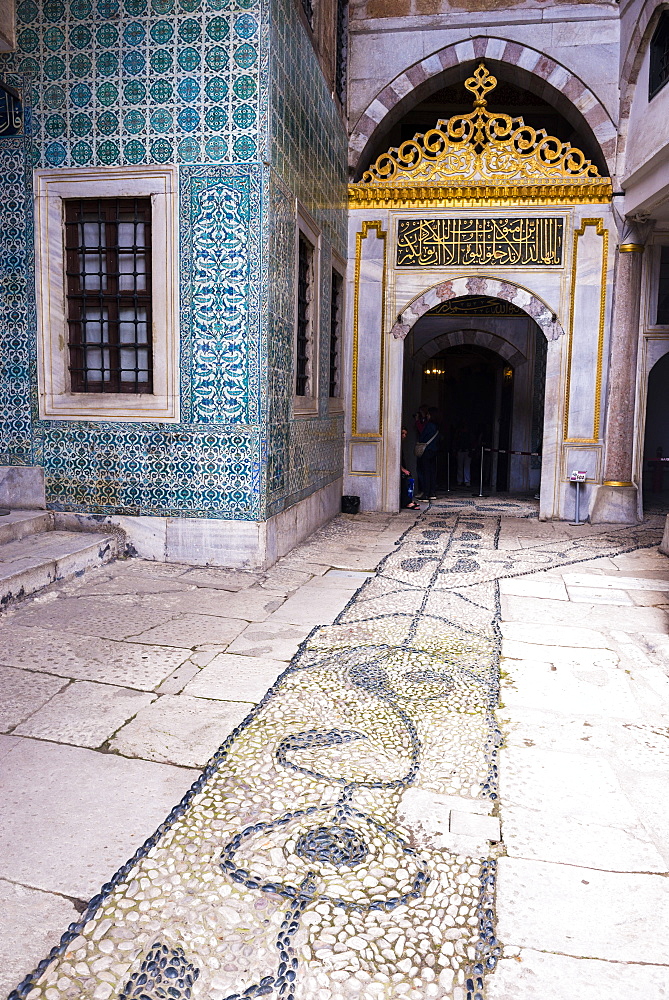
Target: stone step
<point>35,561</point>
<point>21,523</point>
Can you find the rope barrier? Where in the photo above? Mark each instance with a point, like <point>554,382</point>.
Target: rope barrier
<point>507,451</point>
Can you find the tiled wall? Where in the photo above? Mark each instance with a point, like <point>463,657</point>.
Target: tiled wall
<point>185,82</point>
<point>308,162</point>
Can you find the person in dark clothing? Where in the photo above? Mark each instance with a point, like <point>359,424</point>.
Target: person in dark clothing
<point>406,482</point>
<point>426,458</point>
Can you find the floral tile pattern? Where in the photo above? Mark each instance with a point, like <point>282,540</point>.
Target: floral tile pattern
<point>190,83</point>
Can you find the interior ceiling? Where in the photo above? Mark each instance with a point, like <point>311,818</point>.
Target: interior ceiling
<point>507,98</point>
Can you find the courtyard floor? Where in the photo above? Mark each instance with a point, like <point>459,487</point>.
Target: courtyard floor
<point>376,819</point>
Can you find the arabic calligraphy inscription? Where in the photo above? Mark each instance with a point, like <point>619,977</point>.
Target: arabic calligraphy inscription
<point>483,241</point>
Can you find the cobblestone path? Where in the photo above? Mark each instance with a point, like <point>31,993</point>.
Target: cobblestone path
<point>314,858</point>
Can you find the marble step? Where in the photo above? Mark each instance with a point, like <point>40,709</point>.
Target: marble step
<point>21,523</point>
<point>35,561</point>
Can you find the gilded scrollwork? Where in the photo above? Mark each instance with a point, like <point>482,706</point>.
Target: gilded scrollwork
<point>467,155</point>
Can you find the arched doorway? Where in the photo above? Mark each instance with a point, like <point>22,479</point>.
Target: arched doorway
<point>481,204</point>
<point>479,364</point>
<point>655,469</point>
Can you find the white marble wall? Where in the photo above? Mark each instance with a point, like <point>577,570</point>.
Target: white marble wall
<point>557,288</point>
<point>219,542</point>
<point>584,38</point>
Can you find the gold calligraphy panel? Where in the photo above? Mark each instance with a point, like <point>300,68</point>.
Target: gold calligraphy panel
<point>480,241</point>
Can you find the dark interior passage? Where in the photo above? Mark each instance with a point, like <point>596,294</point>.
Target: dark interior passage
<point>656,439</point>
<point>481,371</point>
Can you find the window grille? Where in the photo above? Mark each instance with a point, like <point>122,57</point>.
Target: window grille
<point>305,278</point>
<point>308,8</point>
<point>659,57</point>
<point>341,51</point>
<point>663,289</point>
<point>335,332</point>
<point>108,270</point>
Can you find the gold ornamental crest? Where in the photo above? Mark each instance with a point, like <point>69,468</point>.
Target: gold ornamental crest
<point>484,157</point>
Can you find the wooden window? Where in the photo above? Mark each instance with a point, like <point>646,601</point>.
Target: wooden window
<point>341,49</point>
<point>662,317</point>
<point>659,57</point>
<point>308,8</point>
<point>336,302</point>
<point>305,297</point>
<point>108,276</point>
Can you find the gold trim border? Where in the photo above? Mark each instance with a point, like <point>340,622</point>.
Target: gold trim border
<point>614,482</point>
<point>362,195</point>
<point>381,234</point>
<point>604,233</point>
<point>631,248</point>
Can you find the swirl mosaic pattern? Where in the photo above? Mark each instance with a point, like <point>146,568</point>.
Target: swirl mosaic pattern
<point>286,870</point>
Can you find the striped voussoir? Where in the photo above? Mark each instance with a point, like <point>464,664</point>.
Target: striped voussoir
<point>502,50</point>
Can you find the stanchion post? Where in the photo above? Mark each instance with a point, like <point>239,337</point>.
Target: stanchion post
<point>577,477</point>
<point>448,472</point>
<point>481,476</point>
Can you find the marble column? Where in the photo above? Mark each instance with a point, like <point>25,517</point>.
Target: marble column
<point>616,499</point>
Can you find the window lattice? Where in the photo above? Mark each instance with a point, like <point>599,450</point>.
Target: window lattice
<point>335,332</point>
<point>304,297</point>
<point>108,268</point>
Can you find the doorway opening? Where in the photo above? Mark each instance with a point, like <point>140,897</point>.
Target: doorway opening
<point>655,474</point>
<point>479,366</point>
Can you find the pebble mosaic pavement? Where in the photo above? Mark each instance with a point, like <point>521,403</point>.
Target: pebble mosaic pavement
<point>284,872</point>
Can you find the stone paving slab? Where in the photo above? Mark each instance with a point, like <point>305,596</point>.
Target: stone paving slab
<point>618,582</point>
<point>590,691</point>
<point>190,631</point>
<point>299,819</point>
<point>553,634</point>
<point>548,834</point>
<point>37,920</point>
<point>23,692</point>
<point>85,714</point>
<point>81,810</point>
<point>248,605</point>
<point>109,617</point>
<point>615,916</point>
<point>86,657</point>
<point>231,677</point>
<point>179,730</point>
<point>534,974</point>
<point>279,641</point>
<point>548,613</point>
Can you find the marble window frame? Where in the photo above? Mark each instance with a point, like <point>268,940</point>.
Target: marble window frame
<point>308,405</point>
<point>56,399</point>
<point>651,285</point>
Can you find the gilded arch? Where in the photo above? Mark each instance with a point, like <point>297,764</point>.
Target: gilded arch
<point>513,53</point>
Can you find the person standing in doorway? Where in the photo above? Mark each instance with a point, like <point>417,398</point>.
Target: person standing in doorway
<point>463,446</point>
<point>426,458</point>
<point>407,501</point>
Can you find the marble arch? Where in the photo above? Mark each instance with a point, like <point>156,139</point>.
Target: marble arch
<point>480,338</point>
<point>497,288</point>
<point>554,74</point>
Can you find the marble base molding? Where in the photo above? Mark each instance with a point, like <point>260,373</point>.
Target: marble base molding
<point>614,504</point>
<point>664,544</point>
<point>222,542</point>
<point>22,487</point>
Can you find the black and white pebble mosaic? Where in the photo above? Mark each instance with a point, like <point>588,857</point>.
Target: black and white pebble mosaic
<point>284,872</point>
